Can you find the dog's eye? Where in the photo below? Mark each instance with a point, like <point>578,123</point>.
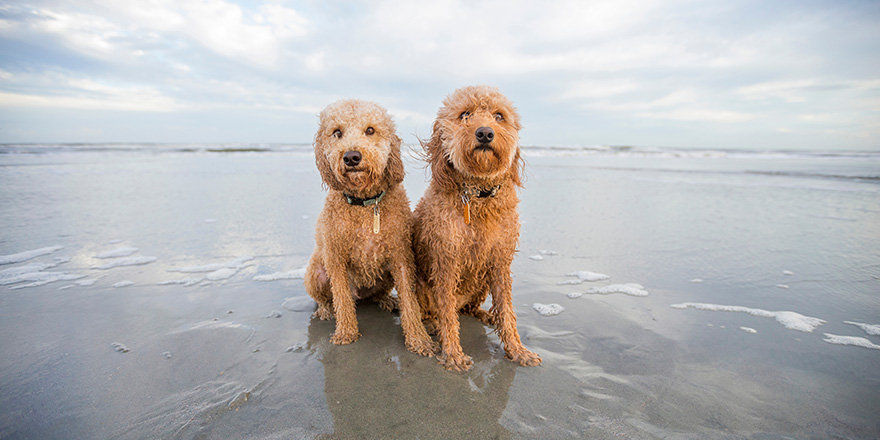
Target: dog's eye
<point>499,117</point>
<point>337,133</point>
<point>369,131</point>
<point>464,115</point>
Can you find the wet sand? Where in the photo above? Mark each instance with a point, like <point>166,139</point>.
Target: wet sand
<point>212,352</point>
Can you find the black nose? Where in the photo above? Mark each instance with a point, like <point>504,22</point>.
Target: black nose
<point>352,158</point>
<point>485,135</point>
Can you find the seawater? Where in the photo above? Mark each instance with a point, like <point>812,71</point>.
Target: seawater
<point>191,258</point>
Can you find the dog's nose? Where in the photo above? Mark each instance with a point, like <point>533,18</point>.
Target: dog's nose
<point>352,158</point>
<point>485,135</point>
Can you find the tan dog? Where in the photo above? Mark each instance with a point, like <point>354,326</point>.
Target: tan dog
<point>364,232</point>
<point>467,225</point>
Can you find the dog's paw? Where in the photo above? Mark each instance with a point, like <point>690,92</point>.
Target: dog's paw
<point>525,358</point>
<point>461,362</point>
<point>388,303</point>
<point>431,326</point>
<point>425,347</point>
<point>487,318</point>
<point>323,313</point>
<point>340,338</point>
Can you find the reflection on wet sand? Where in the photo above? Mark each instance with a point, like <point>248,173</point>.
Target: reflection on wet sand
<point>375,388</point>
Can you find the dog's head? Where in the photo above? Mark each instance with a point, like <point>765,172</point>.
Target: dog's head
<point>357,148</point>
<point>476,134</point>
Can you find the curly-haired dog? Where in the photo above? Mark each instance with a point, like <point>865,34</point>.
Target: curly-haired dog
<point>467,225</point>
<point>364,232</point>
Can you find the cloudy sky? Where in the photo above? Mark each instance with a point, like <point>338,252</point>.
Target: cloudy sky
<point>705,74</point>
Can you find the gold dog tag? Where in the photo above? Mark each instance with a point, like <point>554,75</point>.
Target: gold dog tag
<point>376,219</point>
<point>467,208</point>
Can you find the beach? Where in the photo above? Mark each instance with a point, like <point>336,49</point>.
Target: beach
<point>155,291</point>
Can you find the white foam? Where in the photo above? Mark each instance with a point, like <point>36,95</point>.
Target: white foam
<point>850,340</point>
<point>126,261</point>
<point>547,252</point>
<point>583,276</point>
<point>186,282</point>
<point>14,272</point>
<point>782,286</point>
<point>27,255</point>
<point>117,253</point>
<point>292,275</point>
<point>574,295</point>
<point>791,320</point>
<point>536,257</point>
<point>548,309</point>
<point>748,330</point>
<point>125,283</point>
<point>631,289</point>
<point>787,272</point>
<point>216,272</point>
<point>222,274</point>
<point>871,329</point>
<point>697,280</point>
<point>237,263</point>
<point>87,283</point>
<point>36,277</point>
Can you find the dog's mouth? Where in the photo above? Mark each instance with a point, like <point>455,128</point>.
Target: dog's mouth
<point>484,147</point>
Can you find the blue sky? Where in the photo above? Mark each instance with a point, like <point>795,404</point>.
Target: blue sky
<point>702,74</point>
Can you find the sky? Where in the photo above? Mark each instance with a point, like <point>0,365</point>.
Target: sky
<point>802,75</point>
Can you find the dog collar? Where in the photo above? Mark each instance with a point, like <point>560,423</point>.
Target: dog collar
<point>352,200</point>
<point>479,193</point>
<point>367,202</point>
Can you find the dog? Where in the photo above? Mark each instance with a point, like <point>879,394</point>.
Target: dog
<point>466,226</point>
<point>364,232</point>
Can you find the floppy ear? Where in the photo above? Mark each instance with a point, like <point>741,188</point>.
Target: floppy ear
<point>394,167</point>
<point>517,169</point>
<point>441,169</point>
<point>324,167</point>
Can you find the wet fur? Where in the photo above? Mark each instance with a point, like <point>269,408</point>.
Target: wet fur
<point>350,261</point>
<point>458,264</point>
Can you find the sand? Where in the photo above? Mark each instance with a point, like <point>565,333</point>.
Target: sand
<point>126,314</point>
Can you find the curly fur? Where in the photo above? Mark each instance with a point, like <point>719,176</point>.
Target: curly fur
<point>350,261</point>
<point>458,264</point>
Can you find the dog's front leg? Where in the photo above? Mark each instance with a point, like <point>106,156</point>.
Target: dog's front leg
<point>417,339</point>
<point>505,317</point>
<point>343,304</point>
<point>452,357</point>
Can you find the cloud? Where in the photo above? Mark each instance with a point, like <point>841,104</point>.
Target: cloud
<point>622,63</point>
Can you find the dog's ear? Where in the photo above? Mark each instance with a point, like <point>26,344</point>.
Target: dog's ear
<point>517,169</point>
<point>441,169</point>
<point>394,167</point>
<point>327,175</point>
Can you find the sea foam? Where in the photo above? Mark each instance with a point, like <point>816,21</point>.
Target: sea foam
<point>631,289</point>
<point>790,320</point>
<point>850,340</point>
<point>548,309</point>
<point>292,275</point>
<point>871,329</point>
<point>117,253</point>
<point>584,276</point>
<point>27,255</point>
<point>126,261</point>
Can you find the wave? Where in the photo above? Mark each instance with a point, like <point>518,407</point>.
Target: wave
<point>159,148</point>
<point>677,152</point>
<point>532,150</point>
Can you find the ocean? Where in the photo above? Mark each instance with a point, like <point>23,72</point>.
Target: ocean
<point>155,291</point>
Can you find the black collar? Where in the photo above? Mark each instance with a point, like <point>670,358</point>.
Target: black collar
<point>481,193</point>
<point>352,200</point>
